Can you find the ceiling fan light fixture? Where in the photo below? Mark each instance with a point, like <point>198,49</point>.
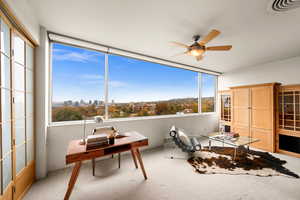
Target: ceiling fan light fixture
<point>196,52</point>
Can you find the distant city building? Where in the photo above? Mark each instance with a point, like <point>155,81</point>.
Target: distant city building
<point>95,103</point>
<point>76,103</point>
<point>68,103</point>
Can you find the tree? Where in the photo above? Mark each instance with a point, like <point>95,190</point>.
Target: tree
<point>161,108</point>
<point>195,107</point>
<point>66,114</point>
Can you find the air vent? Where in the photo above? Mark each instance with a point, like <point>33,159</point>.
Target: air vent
<point>285,5</point>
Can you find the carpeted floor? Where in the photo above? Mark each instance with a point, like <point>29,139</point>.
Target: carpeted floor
<point>168,180</point>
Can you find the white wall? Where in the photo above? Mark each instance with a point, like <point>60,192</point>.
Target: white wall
<point>284,71</point>
<point>26,15</point>
<point>155,129</point>
<point>41,103</point>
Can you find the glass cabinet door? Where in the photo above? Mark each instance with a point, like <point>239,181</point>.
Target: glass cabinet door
<point>225,111</point>
<point>289,110</point>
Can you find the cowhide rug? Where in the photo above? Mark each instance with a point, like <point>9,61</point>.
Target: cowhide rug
<point>219,161</point>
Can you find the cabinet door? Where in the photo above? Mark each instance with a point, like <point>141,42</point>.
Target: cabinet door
<point>241,130</point>
<point>261,108</point>
<point>241,114</point>
<point>265,139</point>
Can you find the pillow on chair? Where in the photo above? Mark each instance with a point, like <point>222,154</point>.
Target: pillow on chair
<point>183,137</point>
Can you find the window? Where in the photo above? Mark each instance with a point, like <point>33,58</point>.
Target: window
<point>140,88</point>
<point>77,83</point>
<point>134,87</point>
<point>208,92</point>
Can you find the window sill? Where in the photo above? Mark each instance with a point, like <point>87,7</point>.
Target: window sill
<point>70,123</point>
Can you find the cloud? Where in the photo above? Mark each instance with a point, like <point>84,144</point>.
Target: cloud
<point>130,60</point>
<point>91,76</point>
<point>91,79</point>
<point>117,84</point>
<point>56,50</point>
<point>82,56</point>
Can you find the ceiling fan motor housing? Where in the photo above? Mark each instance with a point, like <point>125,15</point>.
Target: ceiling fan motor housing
<point>196,45</point>
<point>196,37</point>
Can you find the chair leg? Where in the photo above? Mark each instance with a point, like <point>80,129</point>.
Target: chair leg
<point>93,166</point>
<point>119,158</point>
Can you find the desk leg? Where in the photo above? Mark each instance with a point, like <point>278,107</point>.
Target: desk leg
<point>119,160</point>
<point>94,165</point>
<point>134,158</point>
<point>138,155</point>
<point>73,179</point>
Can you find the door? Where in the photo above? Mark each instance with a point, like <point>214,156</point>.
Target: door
<point>16,113</point>
<point>22,77</point>
<point>6,141</point>
<point>241,111</point>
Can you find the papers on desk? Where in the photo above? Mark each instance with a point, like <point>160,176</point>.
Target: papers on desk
<point>96,141</point>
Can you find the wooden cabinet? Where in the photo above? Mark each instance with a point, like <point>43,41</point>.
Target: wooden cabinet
<point>268,112</point>
<point>254,113</point>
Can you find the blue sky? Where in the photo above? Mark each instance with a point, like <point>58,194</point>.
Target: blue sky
<point>79,74</point>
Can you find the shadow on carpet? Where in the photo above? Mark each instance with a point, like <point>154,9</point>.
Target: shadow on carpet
<point>220,161</point>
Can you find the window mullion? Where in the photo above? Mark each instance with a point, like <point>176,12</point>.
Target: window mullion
<point>216,94</point>
<point>106,86</point>
<point>199,92</point>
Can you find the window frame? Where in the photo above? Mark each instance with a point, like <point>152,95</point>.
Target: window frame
<point>215,93</point>
<point>106,90</point>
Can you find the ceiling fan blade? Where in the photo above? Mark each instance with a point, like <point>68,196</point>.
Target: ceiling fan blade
<point>214,33</point>
<point>179,44</point>
<point>182,53</point>
<point>219,48</point>
<point>198,58</point>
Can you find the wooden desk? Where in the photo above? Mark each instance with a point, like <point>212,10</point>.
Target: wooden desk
<point>77,153</point>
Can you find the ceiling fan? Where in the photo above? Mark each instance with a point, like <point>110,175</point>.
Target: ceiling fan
<point>198,48</point>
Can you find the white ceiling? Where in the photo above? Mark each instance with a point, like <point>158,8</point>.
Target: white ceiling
<point>146,26</point>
